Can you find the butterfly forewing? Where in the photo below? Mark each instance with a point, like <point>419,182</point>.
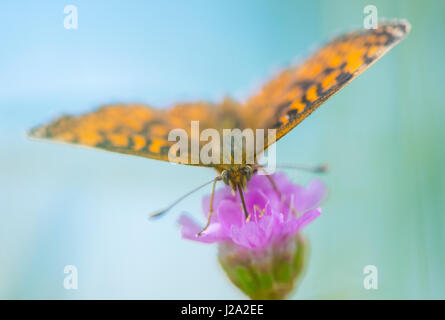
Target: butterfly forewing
<point>296,92</point>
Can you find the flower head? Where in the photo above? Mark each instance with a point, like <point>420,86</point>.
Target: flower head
<point>265,254</point>
<point>274,215</point>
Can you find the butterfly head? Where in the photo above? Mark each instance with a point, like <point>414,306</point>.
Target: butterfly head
<point>237,176</point>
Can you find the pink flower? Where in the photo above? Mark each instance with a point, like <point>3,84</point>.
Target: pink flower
<point>273,218</point>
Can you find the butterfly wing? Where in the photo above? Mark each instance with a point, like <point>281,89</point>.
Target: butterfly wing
<point>282,104</point>
<point>139,129</point>
<point>289,98</point>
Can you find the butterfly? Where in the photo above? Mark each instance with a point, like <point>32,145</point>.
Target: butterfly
<point>281,104</point>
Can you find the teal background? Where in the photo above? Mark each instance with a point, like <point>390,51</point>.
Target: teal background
<point>383,137</point>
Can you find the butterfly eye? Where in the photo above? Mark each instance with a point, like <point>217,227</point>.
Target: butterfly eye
<point>248,172</point>
<point>225,176</point>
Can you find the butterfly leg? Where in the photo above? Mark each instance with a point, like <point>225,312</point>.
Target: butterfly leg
<point>211,205</point>
<point>243,202</point>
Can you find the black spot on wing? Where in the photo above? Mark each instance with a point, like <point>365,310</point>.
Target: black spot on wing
<point>368,60</point>
<point>292,114</point>
<point>343,77</point>
<point>283,106</point>
<point>328,71</point>
<point>304,85</point>
<point>277,125</point>
<point>320,91</point>
<point>164,150</point>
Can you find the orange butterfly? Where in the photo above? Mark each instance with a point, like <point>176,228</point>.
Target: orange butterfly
<point>281,104</point>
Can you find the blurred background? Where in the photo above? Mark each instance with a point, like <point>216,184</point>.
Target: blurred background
<point>382,136</point>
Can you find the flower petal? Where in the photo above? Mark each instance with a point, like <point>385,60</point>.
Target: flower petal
<point>299,223</point>
<point>190,230</point>
<point>272,217</point>
<point>220,195</point>
<point>316,192</point>
<point>229,214</point>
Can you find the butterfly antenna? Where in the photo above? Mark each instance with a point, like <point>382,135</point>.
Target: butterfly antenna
<point>324,168</point>
<point>161,212</point>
